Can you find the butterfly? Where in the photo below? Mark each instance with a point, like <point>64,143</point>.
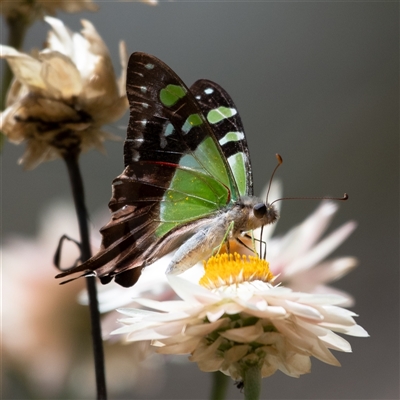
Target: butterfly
<point>187,184</point>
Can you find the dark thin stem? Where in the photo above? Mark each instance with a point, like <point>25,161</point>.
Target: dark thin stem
<point>219,386</point>
<point>79,200</point>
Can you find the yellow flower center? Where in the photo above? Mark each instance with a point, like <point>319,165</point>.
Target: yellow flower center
<point>228,269</point>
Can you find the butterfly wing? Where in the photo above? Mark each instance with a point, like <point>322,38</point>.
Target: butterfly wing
<point>177,176</point>
<point>221,113</point>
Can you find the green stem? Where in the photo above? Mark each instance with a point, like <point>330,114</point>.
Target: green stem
<point>220,386</point>
<point>79,200</point>
<point>252,382</point>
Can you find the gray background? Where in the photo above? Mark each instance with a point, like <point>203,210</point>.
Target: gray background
<point>316,82</point>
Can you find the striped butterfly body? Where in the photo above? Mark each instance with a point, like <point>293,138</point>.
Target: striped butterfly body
<point>187,181</point>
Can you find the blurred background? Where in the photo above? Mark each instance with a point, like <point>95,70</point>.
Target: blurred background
<point>317,82</point>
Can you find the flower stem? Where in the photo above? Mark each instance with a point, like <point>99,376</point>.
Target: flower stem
<point>220,386</point>
<point>252,382</point>
<point>79,200</point>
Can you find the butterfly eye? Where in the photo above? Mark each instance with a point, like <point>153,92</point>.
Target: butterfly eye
<point>260,210</point>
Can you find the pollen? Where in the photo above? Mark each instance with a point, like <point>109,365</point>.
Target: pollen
<point>229,269</point>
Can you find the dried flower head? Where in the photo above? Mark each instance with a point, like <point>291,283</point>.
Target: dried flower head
<point>62,96</point>
<point>239,318</point>
<point>33,9</point>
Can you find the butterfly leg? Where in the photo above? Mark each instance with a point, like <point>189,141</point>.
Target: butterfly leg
<point>225,239</point>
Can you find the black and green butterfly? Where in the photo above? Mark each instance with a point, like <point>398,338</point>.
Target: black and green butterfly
<point>187,181</point>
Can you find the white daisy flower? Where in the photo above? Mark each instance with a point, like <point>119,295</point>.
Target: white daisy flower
<point>297,259</point>
<point>61,97</point>
<point>237,318</point>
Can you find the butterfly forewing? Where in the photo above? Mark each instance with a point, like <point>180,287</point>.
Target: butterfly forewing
<point>222,114</point>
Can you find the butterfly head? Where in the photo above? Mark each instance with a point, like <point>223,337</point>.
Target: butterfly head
<point>264,212</point>
<point>256,213</point>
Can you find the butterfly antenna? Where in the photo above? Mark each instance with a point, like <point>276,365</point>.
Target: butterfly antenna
<point>280,161</point>
<point>344,198</point>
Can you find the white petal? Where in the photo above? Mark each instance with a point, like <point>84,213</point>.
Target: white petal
<point>336,342</point>
<point>236,353</point>
<point>268,338</point>
<point>210,364</point>
<point>181,347</point>
<point>320,299</point>
<point>303,310</point>
<point>191,292</point>
<point>296,365</point>
<point>244,335</point>
<point>204,352</point>
<point>270,312</point>
<point>60,75</point>
<point>215,314</point>
<point>135,312</point>
<point>25,68</point>
<point>347,299</point>
<point>60,38</point>
<point>205,328</point>
<point>321,250</point>
<point>172,305</point>
<point>357,330</point>
<point>301,238</point>
<point>337,315</point>
<point>307,341</point>
<point>326,272</point>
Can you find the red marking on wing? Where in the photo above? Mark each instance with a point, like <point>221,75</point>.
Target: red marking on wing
<point>229,194</point>
<point>162,163</point>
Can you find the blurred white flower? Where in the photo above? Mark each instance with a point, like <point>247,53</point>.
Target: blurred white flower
<point>244,320</point>
<point>46,347</point>
<point>37,341</point>
<point>61,97</point>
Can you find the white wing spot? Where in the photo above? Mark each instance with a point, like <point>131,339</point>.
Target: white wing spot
<point>135,155</point>
<point>163,142</point>
<point>208,91</point>
<point>231,137</point>
<point>169,130</point>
